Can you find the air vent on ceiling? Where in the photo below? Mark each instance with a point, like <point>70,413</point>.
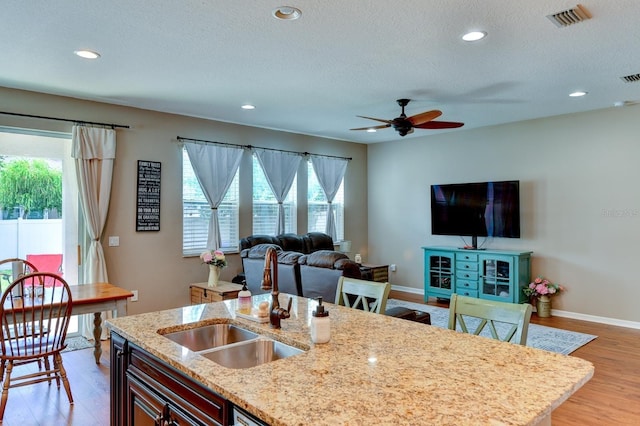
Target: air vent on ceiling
<point>570,16</point>
<point>633,78</point>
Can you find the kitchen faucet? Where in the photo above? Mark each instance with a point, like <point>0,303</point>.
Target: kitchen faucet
<point>276,313</point>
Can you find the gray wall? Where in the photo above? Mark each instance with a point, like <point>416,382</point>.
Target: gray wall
<point>580,203</point>
<point>579,197</point>
<point>152,262</point>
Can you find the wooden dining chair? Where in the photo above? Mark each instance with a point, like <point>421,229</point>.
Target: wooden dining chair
<point>34,326</point>
<point>490,312</point>
<point>13,269</point>
<point>19,268</point>
<point>370,296</point>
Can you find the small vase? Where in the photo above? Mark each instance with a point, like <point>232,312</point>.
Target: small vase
<point>544,306</point>
<point>214,276</point>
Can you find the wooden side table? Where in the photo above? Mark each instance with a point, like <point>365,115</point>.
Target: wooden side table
<point>202,293</point>
<point>379,273</point>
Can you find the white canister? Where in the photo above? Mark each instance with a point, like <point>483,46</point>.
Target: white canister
<point>320,324</point>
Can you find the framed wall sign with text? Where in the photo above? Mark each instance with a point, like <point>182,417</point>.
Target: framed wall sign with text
<point>148,196</point>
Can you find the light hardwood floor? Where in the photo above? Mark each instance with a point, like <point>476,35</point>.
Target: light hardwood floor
<point>612,397</point>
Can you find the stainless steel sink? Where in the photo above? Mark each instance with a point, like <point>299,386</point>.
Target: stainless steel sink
<point>210,336</point>
<point>251,353</point>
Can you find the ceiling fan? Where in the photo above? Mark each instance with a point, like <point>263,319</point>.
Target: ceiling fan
<point>405,125</point>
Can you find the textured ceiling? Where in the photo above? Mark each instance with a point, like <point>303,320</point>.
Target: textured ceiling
<point>340,59</point>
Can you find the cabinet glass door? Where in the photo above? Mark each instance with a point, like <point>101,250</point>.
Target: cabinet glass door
<point>440,272</point>
<point>497,275</point>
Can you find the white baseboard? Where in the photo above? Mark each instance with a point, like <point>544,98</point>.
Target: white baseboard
<point>411,290</point>
<point>556,312</point>
<point>594,318</point>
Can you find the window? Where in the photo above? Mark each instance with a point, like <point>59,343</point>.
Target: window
<point>317,201</point>
<point>265,206</point>
<point>196,213</point>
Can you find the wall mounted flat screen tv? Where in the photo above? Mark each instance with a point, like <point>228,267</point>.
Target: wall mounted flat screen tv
<point>479,209</point>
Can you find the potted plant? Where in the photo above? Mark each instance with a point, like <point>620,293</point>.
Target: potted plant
<point>542,289</point>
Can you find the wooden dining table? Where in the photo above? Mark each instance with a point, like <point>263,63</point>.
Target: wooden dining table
<point>95,299</point>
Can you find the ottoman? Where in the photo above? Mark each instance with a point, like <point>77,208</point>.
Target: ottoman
<point>409,314</point>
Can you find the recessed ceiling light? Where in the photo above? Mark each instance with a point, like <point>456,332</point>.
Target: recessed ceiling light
<point>577,94</point>
<point>248,106</point>
<point>87,54</point>
<point>286,13</point>
<point>371,130</point>
<point>474,36</point>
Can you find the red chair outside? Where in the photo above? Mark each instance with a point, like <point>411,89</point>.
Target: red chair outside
<point>47,263</point>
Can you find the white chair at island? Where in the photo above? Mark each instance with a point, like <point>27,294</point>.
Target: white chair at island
<point>490,312</point>
<point>370,296</point>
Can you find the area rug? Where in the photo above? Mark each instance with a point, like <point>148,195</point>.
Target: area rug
<point>539,336</point>
<point>77,343</point>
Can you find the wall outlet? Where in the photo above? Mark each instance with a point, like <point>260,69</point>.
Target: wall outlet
<point>114,241</point>
<point>134,298</point>
<point>392,267</point>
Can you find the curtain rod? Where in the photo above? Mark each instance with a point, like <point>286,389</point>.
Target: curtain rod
<point>180,138</point>
<point>113,126</point>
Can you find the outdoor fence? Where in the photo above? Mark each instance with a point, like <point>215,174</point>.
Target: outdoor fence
<point>19,237</point>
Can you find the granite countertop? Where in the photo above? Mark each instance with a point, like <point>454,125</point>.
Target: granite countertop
<point>374,370</point>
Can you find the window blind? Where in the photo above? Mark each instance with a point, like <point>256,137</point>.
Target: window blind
<point>196,213</point>
<point>265,206</point>
<point>317,205</point>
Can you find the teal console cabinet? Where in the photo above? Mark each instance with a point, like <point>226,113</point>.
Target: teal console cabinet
<point>487,274</point>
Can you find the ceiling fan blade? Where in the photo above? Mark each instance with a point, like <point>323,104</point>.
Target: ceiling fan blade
<point>376,119</point>
<point>384,126</point>
<point>439,125</point>
<point>424,117</point>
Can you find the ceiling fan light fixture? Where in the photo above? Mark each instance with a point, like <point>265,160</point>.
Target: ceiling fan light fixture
<point>474,36</point>
<point>87,54</point>
<point>371,130</point>
<point>248,106</point>
<point>578,94</point>
<point>286,13</point>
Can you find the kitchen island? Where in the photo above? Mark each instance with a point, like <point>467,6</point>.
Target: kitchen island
<point>374,370</point>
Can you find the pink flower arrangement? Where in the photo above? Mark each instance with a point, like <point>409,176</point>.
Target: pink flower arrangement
<point>214,257</point>
<point>542,287</point>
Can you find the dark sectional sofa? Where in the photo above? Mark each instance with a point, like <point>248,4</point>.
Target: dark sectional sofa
<point>307,264</point>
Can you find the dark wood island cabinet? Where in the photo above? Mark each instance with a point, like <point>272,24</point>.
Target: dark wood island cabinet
<point>148,391</point>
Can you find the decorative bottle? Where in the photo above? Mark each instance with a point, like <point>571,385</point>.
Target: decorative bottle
<point>244,300</point>
<point>320,325</point>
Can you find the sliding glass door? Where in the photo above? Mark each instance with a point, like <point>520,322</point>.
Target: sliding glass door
<point>39,202</point>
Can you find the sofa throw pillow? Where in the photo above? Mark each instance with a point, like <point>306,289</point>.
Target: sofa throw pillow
<point>323,258</point>
<point>258,251</point>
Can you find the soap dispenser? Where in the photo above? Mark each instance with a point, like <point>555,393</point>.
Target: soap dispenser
<point>320,325</point>
<point>244,299</point>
